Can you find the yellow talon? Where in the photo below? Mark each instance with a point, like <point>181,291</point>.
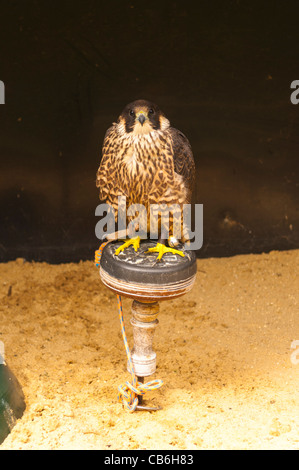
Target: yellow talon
<point>132,241</point>
<point>162,249</point>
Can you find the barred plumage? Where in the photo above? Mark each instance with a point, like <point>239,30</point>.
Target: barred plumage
<point>146,160</point>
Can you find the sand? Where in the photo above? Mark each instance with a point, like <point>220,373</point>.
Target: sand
<point>225,352</point>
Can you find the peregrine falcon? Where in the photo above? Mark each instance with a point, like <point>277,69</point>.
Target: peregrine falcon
<point>147,161</point>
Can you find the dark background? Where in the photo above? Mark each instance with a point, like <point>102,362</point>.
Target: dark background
<point>221,72</point>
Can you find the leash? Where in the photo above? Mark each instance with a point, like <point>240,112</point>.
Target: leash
<point>129,392</point>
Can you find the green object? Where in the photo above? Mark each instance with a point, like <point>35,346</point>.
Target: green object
<point>12,403</point>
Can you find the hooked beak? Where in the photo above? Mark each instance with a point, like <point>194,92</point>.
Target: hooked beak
<point>141,119</point>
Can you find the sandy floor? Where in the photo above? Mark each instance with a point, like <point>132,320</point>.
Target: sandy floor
<point>231,377</point>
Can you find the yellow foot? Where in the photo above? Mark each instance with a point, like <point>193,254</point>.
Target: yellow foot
<point>132,241</point>
<point>162,249</point>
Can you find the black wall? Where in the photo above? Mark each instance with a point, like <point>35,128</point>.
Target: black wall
<point>221,72</point>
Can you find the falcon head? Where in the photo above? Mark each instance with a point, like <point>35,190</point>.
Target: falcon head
<point>142,117</point>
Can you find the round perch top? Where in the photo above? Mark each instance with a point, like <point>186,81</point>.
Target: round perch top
<point>140,276</point>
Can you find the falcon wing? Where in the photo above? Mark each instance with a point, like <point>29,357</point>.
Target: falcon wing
<point>183,160</point>
<point>106,174</point>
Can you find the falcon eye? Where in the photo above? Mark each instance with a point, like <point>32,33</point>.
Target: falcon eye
<point>151,111</point>
<point>131,112</point>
